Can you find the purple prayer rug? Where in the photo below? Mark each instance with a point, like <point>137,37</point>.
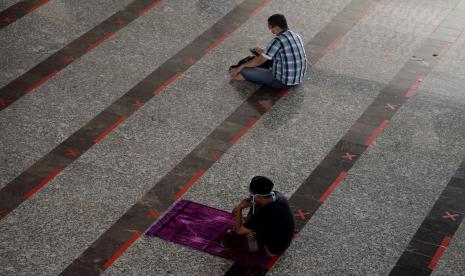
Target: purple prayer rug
<point>202,228</point>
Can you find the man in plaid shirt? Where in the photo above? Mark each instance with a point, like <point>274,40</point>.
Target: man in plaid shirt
<point>282,64</point>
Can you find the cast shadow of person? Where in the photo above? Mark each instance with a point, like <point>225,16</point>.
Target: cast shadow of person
<point>283,109</point>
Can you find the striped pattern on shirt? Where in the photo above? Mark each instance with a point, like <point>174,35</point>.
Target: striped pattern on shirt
<point>288,55</point>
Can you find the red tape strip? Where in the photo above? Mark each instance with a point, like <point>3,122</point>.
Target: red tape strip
<point>257,10</point>
<point>243,131</point>
<point>122,249</point>
<point>376,132</point>
<point>166,83</point>
<point>100,41</point>
<point>106,132</point>
<point>332,45</point>
<point>37,6</point>
<point>439,252</point>
<point>272,262</point>
<point>42,183</point>
<point>189,184</point>
<point>414,87</point>
<point>216,43</point>
<point>333,186</point>
<point>42,80</point>
<point>149,7</point>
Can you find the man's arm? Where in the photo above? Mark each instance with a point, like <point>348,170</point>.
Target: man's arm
<point>240,229</point>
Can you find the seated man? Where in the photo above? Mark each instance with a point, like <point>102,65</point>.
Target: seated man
<point>287,53</point>
<point>269,227</point>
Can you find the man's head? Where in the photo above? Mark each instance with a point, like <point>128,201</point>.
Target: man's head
<point>261,189</point>
<point>277,23</point>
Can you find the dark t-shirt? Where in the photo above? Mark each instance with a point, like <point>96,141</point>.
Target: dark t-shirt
<point>273,225</point>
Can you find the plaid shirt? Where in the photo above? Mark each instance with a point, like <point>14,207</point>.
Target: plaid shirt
<point>289,59</point>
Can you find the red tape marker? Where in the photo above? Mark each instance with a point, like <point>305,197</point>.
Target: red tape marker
<point>333,186</point>
<point>366,11</point>
<point>414,87</point>
<point>243,131</point>
<point>42,80</point>
<point>100,41</point>
<point>439,252</point>
<point>122,249</point>
<point>376,132</point>
<point>7,20</point>
<point>149,7</point>
<point>189,184</point>
<point>216,43</point>
<point>37,6</point>
<point>42,183</point>
<point>332,45</point>
<point>166,83</point>
<point>283,92</point>
<point>272,262</point>
<point>106,132</point>
<point>447,47</point>
<point>257,10</point>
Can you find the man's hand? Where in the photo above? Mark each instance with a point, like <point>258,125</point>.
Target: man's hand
<point>245,203</point>
<point>258,50</point>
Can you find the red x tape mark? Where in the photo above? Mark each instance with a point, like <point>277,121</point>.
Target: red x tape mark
<point>2,212</point>
<point>72,153</point>
<point>138,104</point>
<point>68,59</point>
<point>7,20</point>
<point>301,214</point>
<point>390,106</point>
<point>265,105</point>
<point>120,22</point>
<point>3,102</point>
<point>190,61</point>
<point>348,156</point>
<point>153,214</point>
<point>215,155</point>
<point>450,216</point>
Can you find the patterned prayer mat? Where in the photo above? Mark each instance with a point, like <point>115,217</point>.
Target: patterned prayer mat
<point>202,228</point>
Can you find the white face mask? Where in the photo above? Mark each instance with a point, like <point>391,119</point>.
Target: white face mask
<point>272,194</point>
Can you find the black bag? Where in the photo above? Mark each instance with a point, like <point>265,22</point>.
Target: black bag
<point>242,61</point>
<point>267,64</point>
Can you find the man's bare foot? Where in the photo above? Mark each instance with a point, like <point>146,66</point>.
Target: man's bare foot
<point>239,77</point>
